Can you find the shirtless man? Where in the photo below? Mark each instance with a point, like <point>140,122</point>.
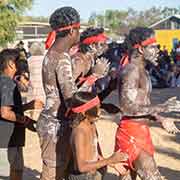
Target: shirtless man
<point>85,61</point>
<point>59,86</point>
<point>133,136</point>
<point>84,141</point>
<point>94,70</point>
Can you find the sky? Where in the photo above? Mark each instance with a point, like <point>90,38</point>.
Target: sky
<point>86,7</point>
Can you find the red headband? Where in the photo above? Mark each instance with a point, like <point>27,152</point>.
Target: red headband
<point>83,108</point>
<point>52,35</point>
<point>94,39</point>
<point>124,60</point>
<point>146,42</point>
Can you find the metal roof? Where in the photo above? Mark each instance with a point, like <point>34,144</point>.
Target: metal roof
<point>165,19</point>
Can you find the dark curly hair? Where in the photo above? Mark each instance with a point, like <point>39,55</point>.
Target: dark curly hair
<point>62,17</point>
<point>136,36</point>
<point>7,55</point>
<point>89,32</point>
<point>79,99</point>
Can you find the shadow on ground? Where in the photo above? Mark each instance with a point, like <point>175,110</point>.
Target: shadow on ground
<point>110,176</point>
<point>31,174</point>
<point>4,178</point>
<point>170,174</point>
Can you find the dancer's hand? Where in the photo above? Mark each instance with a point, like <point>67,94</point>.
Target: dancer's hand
<point>168,124</point>
<point>118,157</point>
<point>172,104</point>
<point>120,168</point>
<point>101,67</point>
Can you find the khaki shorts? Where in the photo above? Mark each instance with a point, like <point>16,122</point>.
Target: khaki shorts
<point>55,153</point>
<point>15,157</point>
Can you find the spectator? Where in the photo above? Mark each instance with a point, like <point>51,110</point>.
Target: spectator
<point>177,57</point>
<point>173,77</point>
<point>35,68</point>
<point>22,75</point>
<point>12,119</point>
<point>22,50</point>
<point>165,51</point>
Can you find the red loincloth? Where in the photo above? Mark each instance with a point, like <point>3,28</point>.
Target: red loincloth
<point>132,137</point>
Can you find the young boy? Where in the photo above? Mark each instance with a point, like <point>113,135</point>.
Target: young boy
<point>84,140</point>
<point>12,119</point>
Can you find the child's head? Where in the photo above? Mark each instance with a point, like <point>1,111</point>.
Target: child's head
<point>85,105</point>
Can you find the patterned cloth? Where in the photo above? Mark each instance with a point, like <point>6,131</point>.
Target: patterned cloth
<point>35,69</point>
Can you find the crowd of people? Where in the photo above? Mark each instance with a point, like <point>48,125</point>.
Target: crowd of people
<point>67,86</point>
<point>167,72</point>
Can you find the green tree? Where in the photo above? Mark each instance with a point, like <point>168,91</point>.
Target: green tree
<point>10,14</point>
<point>166,11</point>
<point>92,19</point>
<point>119,22</point>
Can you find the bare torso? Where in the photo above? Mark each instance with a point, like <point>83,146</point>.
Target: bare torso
<point>134,87</point>
<point>91,143</point>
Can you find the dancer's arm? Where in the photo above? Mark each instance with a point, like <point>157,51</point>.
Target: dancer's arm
<point>65,78</point>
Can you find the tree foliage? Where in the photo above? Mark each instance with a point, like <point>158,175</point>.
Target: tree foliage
<point>119,21</point>
<point>10,14</point>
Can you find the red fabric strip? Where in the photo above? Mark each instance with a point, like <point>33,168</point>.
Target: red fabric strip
<point>124,60</point>
<point>76,25</point>
<point>145,43</point>
<point>90,80</point>
<point>83,108</point>
<point>52,35</point>
<point>94,39</point>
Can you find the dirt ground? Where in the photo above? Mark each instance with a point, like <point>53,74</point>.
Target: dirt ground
<point>167,146</point>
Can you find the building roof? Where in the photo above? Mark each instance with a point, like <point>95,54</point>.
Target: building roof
<point>165,19</point>
<point>33,23</point>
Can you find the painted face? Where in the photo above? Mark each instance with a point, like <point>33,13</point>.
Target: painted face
<point>151,53</point>
<point>76,35</point>
<point>99,48</point>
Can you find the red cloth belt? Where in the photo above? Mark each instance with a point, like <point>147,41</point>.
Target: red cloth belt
<point>131,138</point>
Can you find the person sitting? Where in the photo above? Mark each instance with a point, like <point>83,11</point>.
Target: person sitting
<point>87,157</point>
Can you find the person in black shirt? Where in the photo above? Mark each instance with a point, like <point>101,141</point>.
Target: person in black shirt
<point>11,113</point>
